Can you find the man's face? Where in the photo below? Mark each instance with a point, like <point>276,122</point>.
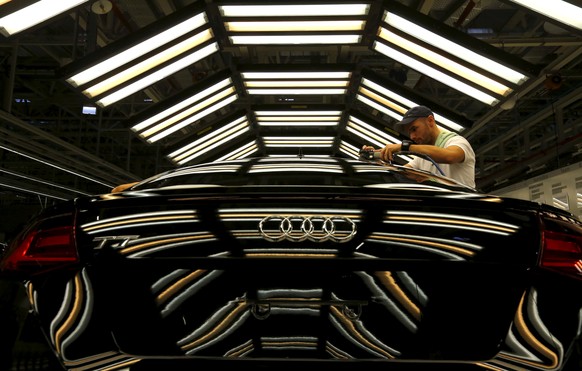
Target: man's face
<point>419,132</point>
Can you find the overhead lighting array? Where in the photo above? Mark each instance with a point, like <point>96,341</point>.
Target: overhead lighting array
<point>18,16</point>
<point>298,118</point>
<point>297,141</point>
<point>287,82</point>
<point>299,23</point>
<point>445,59</point>
<point>129,65</point>
<point>185,37</point>
<point>186,109</point>
<point>561,11</point>
<point>211,141</point>
<point>349,149</point>
<point>369,133</point>
<point>393,104</point>
<point>241,152</point>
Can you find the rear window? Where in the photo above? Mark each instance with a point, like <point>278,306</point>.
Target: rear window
<point>294,172</point>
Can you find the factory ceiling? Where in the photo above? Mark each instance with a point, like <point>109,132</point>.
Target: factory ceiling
<point>226,96</point>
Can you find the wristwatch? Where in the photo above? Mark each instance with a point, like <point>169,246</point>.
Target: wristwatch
<point>405,146</point>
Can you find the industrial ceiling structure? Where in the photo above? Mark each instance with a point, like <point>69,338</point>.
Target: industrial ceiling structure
<point>209,80</point>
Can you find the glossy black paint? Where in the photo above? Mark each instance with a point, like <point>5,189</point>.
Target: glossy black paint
<point>305,262</point>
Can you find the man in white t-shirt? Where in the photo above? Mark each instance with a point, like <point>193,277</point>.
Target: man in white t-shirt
<point>452,152</point>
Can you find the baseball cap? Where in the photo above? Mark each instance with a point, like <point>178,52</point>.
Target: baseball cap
<point>415,113</point>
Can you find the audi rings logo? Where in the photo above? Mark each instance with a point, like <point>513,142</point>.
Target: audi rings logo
<point>277,228</point>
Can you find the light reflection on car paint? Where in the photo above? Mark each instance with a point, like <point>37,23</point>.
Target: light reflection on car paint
<point>181,285</point>
<point>450,221</point>
<point>140,220</point>
<point>530,346</point>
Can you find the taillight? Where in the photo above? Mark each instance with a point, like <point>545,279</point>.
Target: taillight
<point>41,249</point>
<point>562,246</point>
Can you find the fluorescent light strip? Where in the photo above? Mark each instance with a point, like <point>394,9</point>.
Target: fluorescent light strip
<point>138,50</point>
<point>295,91</point>
<point>292,142</point>
<point>381,100</point>
<point>435,74</point>
<point>298,118</point>
<point>181,116</point>
<point>55,166</point>
<point>299,138</point>
<point>284,165</point>
<point>389,93</point>
<point>34,14</point>
<point>559,10</point>
<point>407,104</point>
<point>379,133</point>
<point>455,49</point>
<point>295,39</point>
<point>240,152</point>
<point>379,107</point>
<point>144,66</point>
<point>273,10</point>
<point>159,74</point>
<point>235,132</point>
<point>366,138</point>
<point>33,192</point>
<point>283,144</point>
<point>372,137</point>
<point>185,103</point>
<point>295,83</point>
<point>297,123</point>
<point>324,158</point>
<point>269,26</point>
<point>180,152</point>
<point>298,113</point>
<point>203,139</point>
<point>192,119</point>
<point>446,63</point>
<point>349,149</point>
<point>295,75</point>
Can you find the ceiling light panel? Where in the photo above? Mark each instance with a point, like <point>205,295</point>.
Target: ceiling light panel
<point>349,149</point>
<point>184,109</point>
<point>17,18</point>
<point>298,118</point>
<point>212,141</point>
<point>143,58</point>
<point>369,133</point>
<point>297,141</point>
<point>241,152</point>
<point>558,10</point>
<point>300,82</point>
<point>465,64</point>
<point>294,24</point>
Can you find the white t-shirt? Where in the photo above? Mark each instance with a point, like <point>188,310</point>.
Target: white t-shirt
<point>463,172</point>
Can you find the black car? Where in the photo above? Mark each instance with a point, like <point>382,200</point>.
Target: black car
<point>287,262</point>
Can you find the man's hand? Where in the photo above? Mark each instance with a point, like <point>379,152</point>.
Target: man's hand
<point>387,153</point>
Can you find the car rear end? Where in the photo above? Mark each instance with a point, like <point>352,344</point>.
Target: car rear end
<point>387,275</point>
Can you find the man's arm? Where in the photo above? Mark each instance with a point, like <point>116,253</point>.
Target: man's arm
<point>449,155</point>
